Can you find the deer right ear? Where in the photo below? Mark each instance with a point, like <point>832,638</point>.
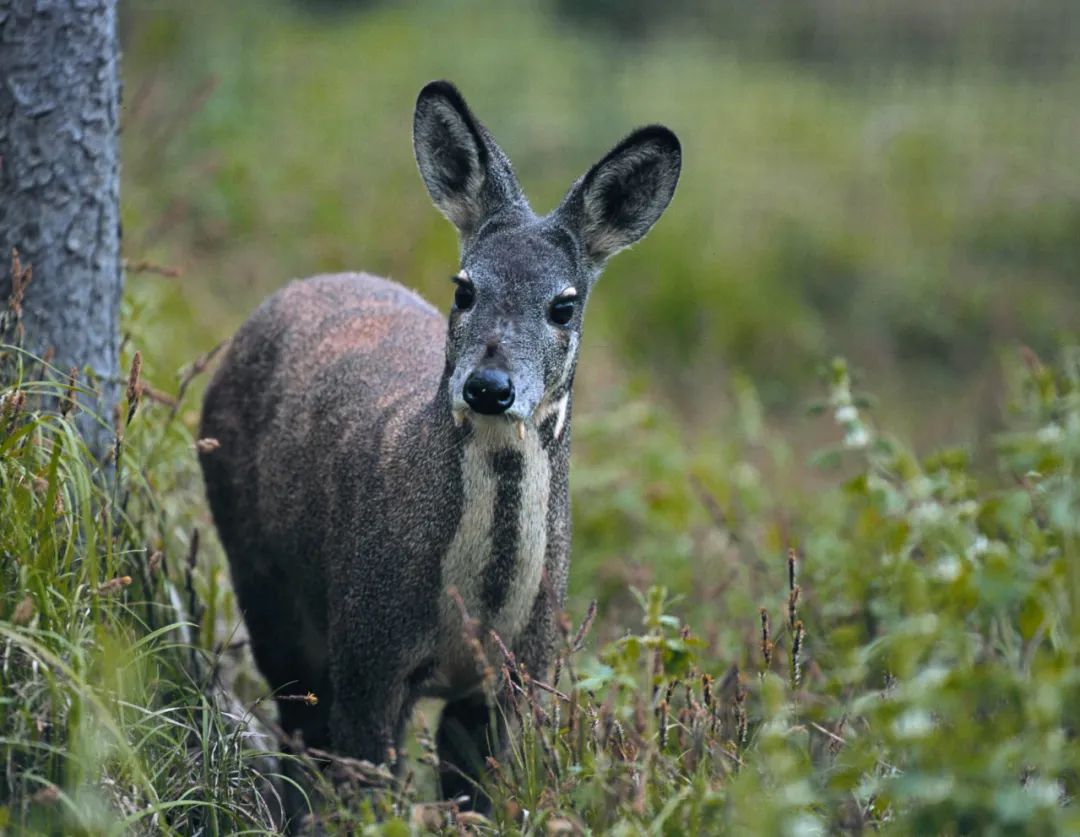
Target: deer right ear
<point>623,195</point>
<point>467,175</point>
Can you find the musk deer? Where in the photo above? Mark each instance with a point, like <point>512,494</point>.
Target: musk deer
<point>375,455</point>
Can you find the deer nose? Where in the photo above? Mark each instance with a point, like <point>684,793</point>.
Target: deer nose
<point>489,391</point>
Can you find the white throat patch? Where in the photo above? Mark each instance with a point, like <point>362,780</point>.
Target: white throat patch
<point>473,546</point>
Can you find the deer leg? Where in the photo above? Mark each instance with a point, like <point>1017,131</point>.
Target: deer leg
<point>469,731</point>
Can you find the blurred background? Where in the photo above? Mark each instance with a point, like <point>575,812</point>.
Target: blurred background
<point>896,181</point>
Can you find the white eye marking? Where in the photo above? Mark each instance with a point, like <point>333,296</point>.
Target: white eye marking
<point>463,275</point>
<point>567,293</point>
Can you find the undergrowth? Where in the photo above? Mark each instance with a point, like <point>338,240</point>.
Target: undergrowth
<point>111,719</point>
<point>914,668</point>
<point>885,642</point>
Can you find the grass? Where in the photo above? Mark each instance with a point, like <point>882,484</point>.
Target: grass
<point>890,218</point>
<point>110,717</point>
<point>885,215</point>
<point>911,664</point>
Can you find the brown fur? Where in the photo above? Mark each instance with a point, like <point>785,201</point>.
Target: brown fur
<point>360,475</point>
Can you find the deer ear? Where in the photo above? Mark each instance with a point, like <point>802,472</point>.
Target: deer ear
<point>622,196</point>
<point>466,173</point>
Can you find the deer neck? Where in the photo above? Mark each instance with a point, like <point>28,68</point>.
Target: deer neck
<point>496,557</point>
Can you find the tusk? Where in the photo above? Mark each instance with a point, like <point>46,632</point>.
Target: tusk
<point>560,422</point>
<point>521,430</point>
<point>459,417</point>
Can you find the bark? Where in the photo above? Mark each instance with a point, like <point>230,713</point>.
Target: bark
<point>59,186</point>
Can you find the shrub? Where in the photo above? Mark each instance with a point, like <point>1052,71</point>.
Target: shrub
<point>913,666</point>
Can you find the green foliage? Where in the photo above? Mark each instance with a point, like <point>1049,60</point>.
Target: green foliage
<point>936,598</point>
<point>888,217</point>
<point>109,717</point>
<point>914,665</point>
<point>1035,37</point>
<point>920,674</point>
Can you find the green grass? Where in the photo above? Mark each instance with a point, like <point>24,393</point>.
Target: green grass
<point>111,716</point>
<point>933,687</point>
<point>921,221</point>
<point>887,216</point>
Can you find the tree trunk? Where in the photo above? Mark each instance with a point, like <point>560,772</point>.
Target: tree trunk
<point>60,187</point>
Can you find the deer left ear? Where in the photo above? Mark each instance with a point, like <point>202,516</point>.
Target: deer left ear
<point>466,173</point>
<point>617,202</point>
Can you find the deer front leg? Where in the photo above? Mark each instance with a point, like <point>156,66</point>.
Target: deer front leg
<point>369,675</point>
<point>470,730</point>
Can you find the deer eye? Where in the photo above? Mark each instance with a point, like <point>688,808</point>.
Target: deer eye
<point>562,310</point>
<point>464,296</point>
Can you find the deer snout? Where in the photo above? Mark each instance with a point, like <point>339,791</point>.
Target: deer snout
<point>489,391</point>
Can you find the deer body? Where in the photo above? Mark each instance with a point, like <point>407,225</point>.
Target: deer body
<point>382,469</point>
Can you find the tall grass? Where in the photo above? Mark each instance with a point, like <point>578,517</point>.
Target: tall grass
<point>934,599</point>
<point>111,716</point>
<point>913,669</point>
<point>910,664</point>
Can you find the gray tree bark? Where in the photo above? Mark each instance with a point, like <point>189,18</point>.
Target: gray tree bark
<point>60,186</point>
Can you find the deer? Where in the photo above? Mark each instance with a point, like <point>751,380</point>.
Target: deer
<point>385,473</point>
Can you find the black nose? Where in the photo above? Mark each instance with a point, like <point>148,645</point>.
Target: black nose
<point>489,391</point>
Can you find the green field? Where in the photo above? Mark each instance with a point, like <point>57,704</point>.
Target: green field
<point>920,218</point>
